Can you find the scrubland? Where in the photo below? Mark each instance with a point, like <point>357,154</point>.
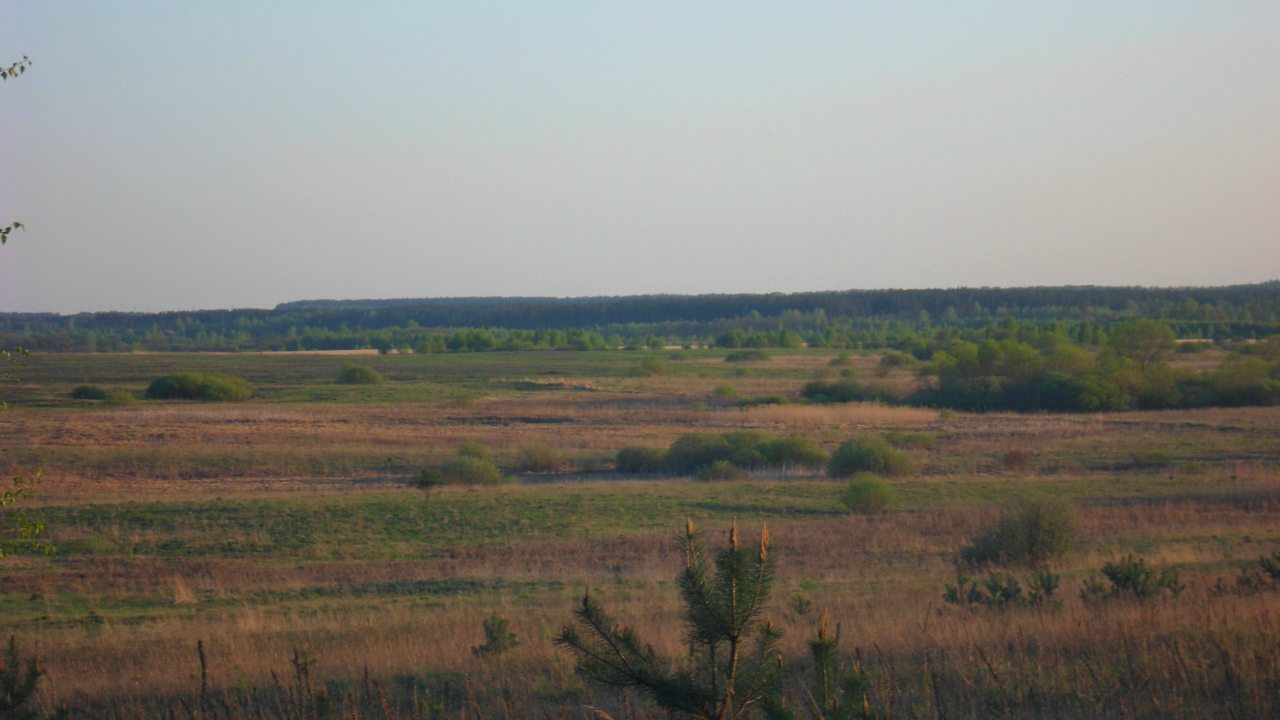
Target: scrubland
<point>285,536</point>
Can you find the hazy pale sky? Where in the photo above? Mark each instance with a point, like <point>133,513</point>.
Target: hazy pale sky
<point>175,155</point>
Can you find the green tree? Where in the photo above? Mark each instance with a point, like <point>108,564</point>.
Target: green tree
<point>732,668</point>
<point>1144,341</point>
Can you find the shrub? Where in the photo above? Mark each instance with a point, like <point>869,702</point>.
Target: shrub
<point>842,391</point>
<point>473,449</point>
<point>1026,534</point>
<point>731,667</point>
<point>641,460</point>
<point>353,374</point>
<point>651,366</point>
<point>725,391</point>
<point>1130,577</point>
<point>1000,590</point>
<point>775,399</point>
<point>794,451</point>
<point>720,470</point>
<point>199,386</point>
<point>540,458</point>
<point>868,494</point>
<point>88,392</point>
<point>119,398</point>
<point>498,638</point>
<point>869,454</point>
<point>470,471</point>
<point>693,450</point>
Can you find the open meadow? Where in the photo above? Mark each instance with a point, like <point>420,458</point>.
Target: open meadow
<point>285,535</point>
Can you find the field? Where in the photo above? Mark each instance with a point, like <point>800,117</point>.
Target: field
<point>285,536</point>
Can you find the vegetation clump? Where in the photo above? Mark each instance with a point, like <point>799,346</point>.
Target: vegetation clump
<point>749,355</point>
<point>88,392</point>
<point>498,638</point>
<point>1028,533</point>
<point>720,470</point>
<point>868,494</point>
<point>472,465</point>
<point>1131,577</point>
<point>539,458</point>
<point>1001,590</point>
<point>869,454</point>
<point>743,449</point>
<point>641,460</point>
<point>213,387</point>
<point>732,667</point>
<point>354,374</point>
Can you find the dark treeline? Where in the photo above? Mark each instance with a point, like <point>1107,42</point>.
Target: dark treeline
<point>859,318</point>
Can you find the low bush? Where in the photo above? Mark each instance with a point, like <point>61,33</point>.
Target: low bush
<point>1028,533</point>
<point>199,386</point>
<point>1000,590</point>
<point>840,391</point>
<point>794,451</point>
<point>725,391</point>
<point>720,470</point>
<point>651,366</point>
<point>119,398</point>
<point>869,454</point>
<point>1131,578</point>
<point>641,460</point>
<point>88,392</point>
<point>473,449</point>
<point>775,399</point>
<point>867,494</point>
<point>353,374</point>
<point>540,458</point>
<point>498,638</point>
<point>693,450</point>
<point>469,471</point>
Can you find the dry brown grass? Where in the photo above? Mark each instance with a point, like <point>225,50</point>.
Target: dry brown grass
<point>1197,490</point>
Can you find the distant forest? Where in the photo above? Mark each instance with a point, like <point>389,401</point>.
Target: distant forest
<point>910,320</point>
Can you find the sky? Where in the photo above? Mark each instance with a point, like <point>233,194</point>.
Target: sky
<point>183,155</point>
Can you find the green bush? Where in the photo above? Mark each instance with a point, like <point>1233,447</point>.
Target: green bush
<point>199,386</point>
<point>869,454</point>
<point>88,392</point>
<point>693,450</point>
<point>1131,578</point>
<point>641,460</point>
<point>775,399</point>
<point>1028,533</point>
<point>498,638</point>
<point>540,458</point>
<point>725,391</point>
<point>794,451</point>
<point>473,449</point>
<point>720,470</point>
<point>867,494</point>
<point>119,398</point>
<point>470,471</point>
<point>1000,590</point>
<point>353,374</point>
<point>651,366</point>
